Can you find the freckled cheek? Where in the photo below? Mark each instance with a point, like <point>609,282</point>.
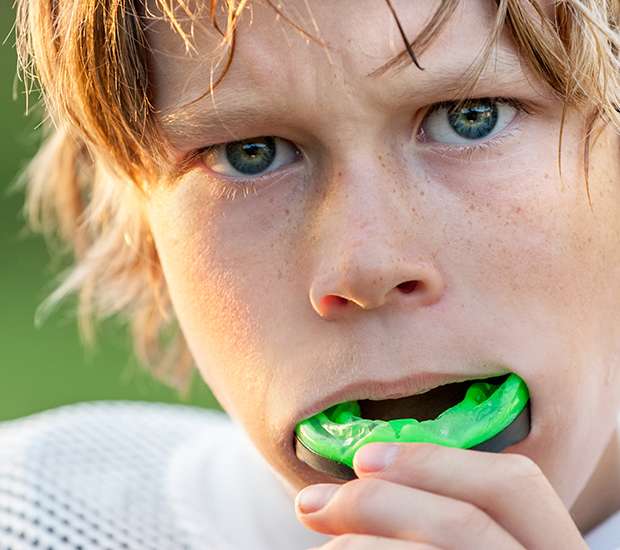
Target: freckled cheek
<point>515,231</point>
<point>229,284</point>
<point>240,308</point>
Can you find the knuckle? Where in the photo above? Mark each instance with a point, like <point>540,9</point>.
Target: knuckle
<point>464,515</point>
<point>357,501</point>
<point>511,472</point>
<point>479,523</point>
<point>358,491</point>
<point>523,467</point>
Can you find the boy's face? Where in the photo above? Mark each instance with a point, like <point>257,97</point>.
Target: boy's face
<point>513,271</point>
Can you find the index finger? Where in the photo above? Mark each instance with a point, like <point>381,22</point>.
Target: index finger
<point>509,487</point>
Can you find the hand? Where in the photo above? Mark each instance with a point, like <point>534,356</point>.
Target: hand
<point>435,497</point>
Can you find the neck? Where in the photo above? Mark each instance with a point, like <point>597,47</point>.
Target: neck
<point>600,498</point>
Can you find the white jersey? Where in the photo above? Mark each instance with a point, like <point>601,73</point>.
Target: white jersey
<point>121,475</point>
<point>125,475</point>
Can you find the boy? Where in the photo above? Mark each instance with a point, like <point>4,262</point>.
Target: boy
<point>328,219</point>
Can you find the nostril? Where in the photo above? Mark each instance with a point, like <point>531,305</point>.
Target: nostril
<point>408,286</point>
<point>333,300</point>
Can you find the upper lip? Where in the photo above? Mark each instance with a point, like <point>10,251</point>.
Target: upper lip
<point>412,384</point>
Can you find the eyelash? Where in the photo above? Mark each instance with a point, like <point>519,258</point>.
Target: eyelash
<point>248,186</point>
<point>476,147</point>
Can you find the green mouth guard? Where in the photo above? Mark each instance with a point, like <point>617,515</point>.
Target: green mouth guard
<point>490,417</point>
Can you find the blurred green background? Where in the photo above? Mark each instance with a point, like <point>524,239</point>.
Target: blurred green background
<point>45,367</point>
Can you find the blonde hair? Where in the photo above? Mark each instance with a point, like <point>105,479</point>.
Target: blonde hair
<point>103,146</point>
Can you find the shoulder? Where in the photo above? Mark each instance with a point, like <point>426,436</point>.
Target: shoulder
<point>82,416</point>
<point>102,433</point>
<point>93,474</point>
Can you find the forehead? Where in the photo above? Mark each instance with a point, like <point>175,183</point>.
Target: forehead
<point>356,38</point>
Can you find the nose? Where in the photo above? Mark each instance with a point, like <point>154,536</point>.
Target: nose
<point>371,258</point>
<point>368,284</point>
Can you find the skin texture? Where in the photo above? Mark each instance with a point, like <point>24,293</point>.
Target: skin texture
<point>515,272</point>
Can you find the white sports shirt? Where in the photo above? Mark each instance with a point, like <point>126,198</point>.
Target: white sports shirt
<point>124,475</point>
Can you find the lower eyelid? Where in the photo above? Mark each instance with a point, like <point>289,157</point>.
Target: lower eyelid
<point>255,182</point>
<point>461,150</point>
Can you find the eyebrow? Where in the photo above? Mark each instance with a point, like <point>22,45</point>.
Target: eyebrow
<point>228,108</point>
<point>222,108</point>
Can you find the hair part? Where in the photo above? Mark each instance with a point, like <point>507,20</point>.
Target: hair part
<point>103,146</point>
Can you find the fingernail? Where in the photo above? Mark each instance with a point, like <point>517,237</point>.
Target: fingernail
<point>315,497</point>
<point>375,457</point>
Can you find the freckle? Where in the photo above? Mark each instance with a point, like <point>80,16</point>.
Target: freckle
<point>287,211</point>
<point>421,193</point>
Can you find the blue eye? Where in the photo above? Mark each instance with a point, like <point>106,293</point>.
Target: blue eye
<point>474,120</point>
<point>250,157</point>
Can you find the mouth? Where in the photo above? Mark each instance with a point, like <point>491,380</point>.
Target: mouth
<point>487,414</point>
<point>422,406</point>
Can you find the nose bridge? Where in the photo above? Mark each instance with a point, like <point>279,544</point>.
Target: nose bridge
<point>370,246</point>
<point>369,213</point>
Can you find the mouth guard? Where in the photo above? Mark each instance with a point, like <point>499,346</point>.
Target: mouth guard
<point>489,418</point>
